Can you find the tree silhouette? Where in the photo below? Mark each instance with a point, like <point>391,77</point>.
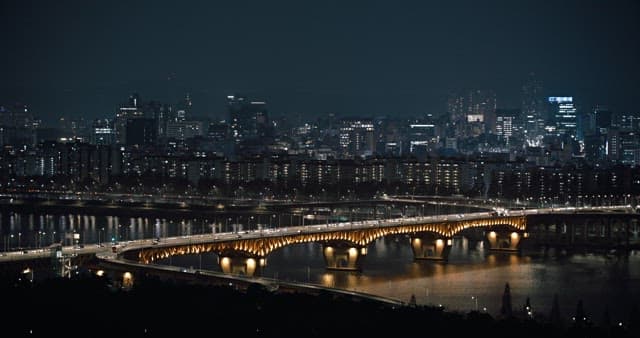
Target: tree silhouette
<point>580,318</point>
<point>528,311</point>
<point>606,321</point>
<point>412,301</point>
<point>555,317</point>
<point>634,321</point>
<point>505,310</point>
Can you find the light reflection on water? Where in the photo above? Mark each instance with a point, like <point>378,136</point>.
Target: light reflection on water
<point>602,282</point>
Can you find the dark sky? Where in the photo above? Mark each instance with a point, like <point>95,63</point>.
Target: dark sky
<point>83,58</point>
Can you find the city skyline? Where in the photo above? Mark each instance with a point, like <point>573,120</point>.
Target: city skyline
<point>80,60</point>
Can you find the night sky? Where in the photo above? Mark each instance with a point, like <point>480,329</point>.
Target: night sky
<point>84,58</point>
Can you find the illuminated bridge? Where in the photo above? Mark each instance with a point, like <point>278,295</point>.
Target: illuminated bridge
<point>345,244</point>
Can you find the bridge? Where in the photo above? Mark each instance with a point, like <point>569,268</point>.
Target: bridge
<point>345,244</point>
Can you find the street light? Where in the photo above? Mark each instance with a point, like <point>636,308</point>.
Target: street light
<point>30,272</point>
<point>474,298</point>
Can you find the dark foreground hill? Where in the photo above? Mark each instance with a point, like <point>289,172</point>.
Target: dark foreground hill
<point>88,306</point>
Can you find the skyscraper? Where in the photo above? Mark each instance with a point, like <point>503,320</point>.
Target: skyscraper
<point>470,110</point>
<point>564,116</point>
<point>130,110</point>
<point>247,119</point>
<point>508,124</point>
<point>533,109</point>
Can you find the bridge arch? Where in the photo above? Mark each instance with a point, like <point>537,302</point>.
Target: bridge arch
<point>257,248</point>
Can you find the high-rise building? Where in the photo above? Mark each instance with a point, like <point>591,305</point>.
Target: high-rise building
<point>602,118</point>
<point>182,130</point>
<point>132,109</point>
<point>141,132</point>
<point>471,110</point>
<point>630,148</point>
<point>356,137</point>
<point>533,109</point>
<point>564,116</point>
<point>422,138</point>
<point>102,132</point>
<point>17,125</point>
<point>626,121</point>
<point>247,119</point>
<point>508,124</point>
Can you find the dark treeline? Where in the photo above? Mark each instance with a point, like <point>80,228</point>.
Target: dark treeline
<point>90,306</point>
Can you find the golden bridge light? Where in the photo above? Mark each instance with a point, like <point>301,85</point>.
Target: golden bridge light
<point>225,263</point>
<point>353,252</point>
<point>251,263</point>
<point>359,237</point>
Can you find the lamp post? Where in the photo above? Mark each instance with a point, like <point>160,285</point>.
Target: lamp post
<point>475,299</point>
<point>100,236</point>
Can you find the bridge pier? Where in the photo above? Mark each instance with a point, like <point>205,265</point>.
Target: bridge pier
<point>241,265</point>
<point>507,241</point>
<point>343,256</point>
<point>430,246</point>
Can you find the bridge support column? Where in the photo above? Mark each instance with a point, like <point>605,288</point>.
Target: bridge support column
<point>428,246</point>
<point>505,241</point>
<point>343,256</point>
<point>241,265</point>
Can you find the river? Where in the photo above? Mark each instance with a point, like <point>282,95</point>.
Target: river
<point>472,278</point>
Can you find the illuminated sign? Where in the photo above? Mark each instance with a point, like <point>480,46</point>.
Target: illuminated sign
<point>475,118</point>
<point>560,99</point>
